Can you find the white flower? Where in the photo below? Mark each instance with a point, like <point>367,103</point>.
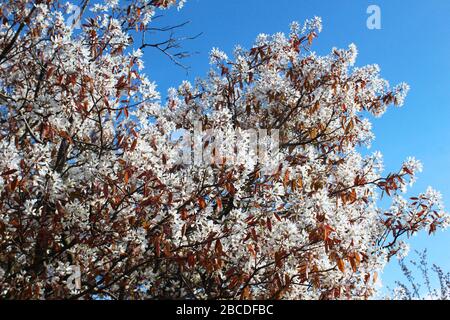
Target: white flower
<point>352,54</point>
<point>400,93</point>
<point>217,56</point>
<point>413,165</point>
<point>314,24</point>
<point>295,27</point>
<point>29,207</point>
<point>181,4</point>
<point>403,250</point>
<point>433,195</point>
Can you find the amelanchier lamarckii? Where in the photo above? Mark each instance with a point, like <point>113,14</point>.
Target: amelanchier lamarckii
<point>91,173</point>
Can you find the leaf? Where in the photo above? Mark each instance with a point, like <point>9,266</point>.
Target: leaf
<point>150,201</point>
<point>133,145</point>
<point>387,191</point>
<point>201,203</point>
<point>286,178</point>
<point>230,188</point>
<point>146,225</point>
<point>224,70</point>
<point>341,265</point>
<point>300,183</point>
<point>350,126</point>
<point>167,249</point>
<point>269,224</point>
<point>14,184</point>
<point>293,185</point>
<point>60,208</point>
<point>218,247</point>
<point>252,250</point>
<point>313,133</point>
<point>158,247</point>
<point>352,263</point>
<point>310,38</point>
<point>219,204</point>
<point>245,293</point>
<point>49,72</point>
<point>184,214</point>
<point>254,235</point>
<point>408,171</point>
<point>375,277</point>
<point>432,228</point>
<point>8,172</point>
<point>327,231</point>
<point>357,259</point>
<point>191,259</point>
<point>279,259</point>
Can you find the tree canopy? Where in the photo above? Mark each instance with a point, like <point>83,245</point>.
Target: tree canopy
<point>92,174</point>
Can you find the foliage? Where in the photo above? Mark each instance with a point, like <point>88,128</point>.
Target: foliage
<point>91,174</point>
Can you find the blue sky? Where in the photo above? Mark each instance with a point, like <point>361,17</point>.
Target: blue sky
<point>413,45</point>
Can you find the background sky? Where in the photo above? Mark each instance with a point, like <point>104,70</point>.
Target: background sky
<point>413,45</point>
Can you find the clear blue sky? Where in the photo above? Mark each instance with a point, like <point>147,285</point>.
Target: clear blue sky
<point>413,45</point>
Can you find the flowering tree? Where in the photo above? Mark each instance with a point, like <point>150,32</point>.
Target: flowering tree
<point>91,173</point>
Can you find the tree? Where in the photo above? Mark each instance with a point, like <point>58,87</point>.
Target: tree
<point>91,173</point>
<point>424,288</point>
